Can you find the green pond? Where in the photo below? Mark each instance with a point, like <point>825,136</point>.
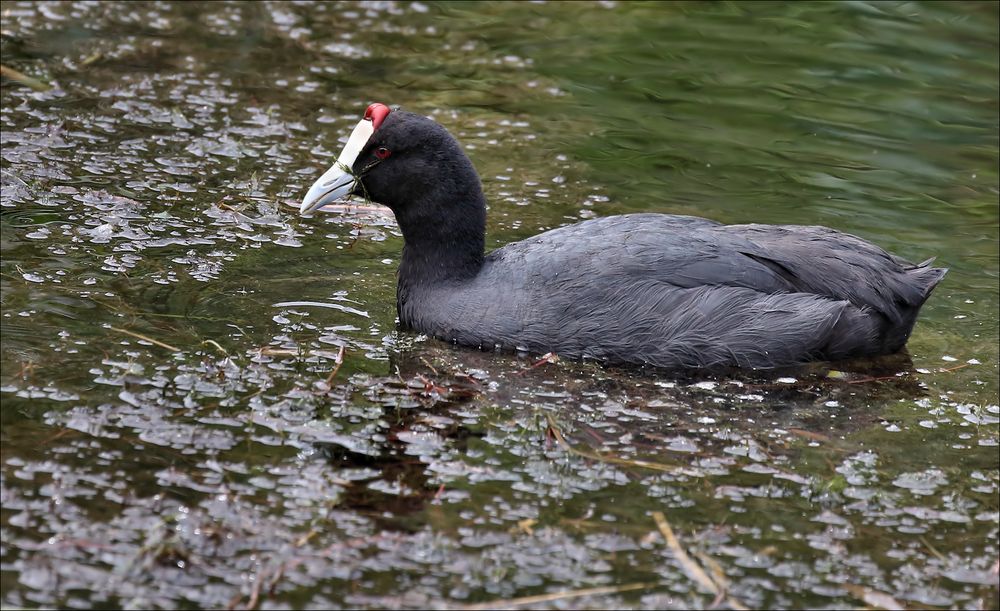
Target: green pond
<point>206,401</point>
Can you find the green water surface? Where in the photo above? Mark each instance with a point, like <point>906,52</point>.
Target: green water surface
<point>205,401</point>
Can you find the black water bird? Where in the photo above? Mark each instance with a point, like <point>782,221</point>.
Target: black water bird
<point>662,290</point>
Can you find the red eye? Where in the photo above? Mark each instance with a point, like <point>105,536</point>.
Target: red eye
<point>382,152</point>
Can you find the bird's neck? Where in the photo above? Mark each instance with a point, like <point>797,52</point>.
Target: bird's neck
<point>444,236</point>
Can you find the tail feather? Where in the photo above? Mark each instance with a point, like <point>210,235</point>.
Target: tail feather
<point>928,277</point>
<point>924,279</point>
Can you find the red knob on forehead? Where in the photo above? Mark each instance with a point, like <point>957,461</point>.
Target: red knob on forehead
<point>377,113</point>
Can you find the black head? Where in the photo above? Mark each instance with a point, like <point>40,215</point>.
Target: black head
<point>413,165</point>
<point>411,158</point>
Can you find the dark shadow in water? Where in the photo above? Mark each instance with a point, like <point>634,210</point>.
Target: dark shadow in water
<point>437,378</point>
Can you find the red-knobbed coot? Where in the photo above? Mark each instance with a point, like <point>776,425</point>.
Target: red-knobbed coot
<point>668,291</point>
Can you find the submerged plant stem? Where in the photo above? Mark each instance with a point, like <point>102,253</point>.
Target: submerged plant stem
<point>24,79</point>
<point>645,464</point>
<point>561,595</point>
<point>692,568</point>
<point>338,362</point>
<point>146,338</point>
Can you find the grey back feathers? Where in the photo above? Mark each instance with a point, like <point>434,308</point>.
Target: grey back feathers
<point>682,292</point>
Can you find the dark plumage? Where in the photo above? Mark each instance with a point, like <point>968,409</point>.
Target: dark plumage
<point>668,291</point>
